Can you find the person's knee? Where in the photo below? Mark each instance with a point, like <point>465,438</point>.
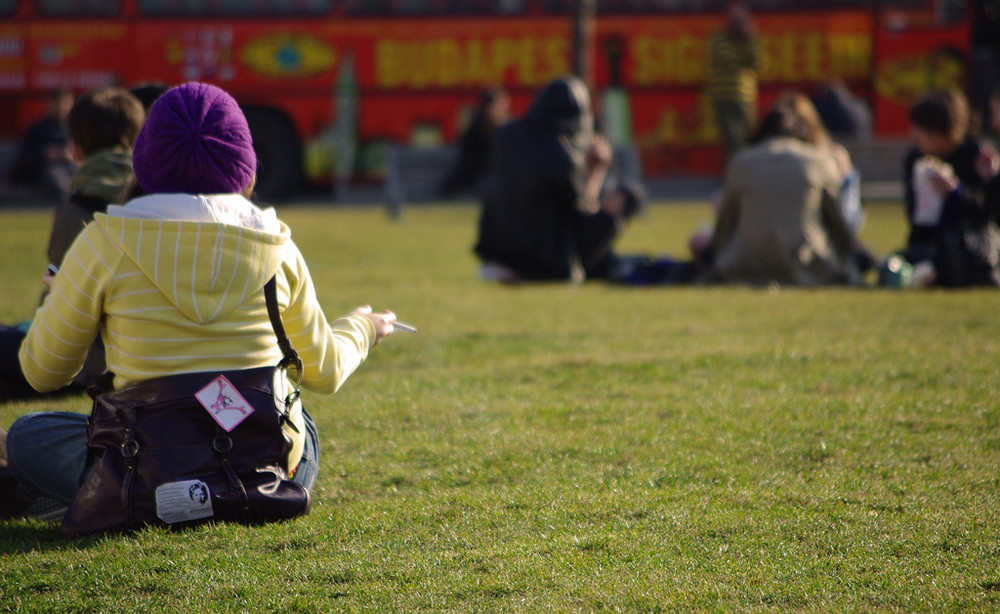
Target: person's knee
<point>22,435</point>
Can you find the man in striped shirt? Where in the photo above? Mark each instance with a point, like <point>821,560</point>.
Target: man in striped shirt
<point>731,85</point>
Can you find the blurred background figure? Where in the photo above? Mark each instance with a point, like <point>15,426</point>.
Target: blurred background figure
<point>103,126</point>
<point>780,219</point>
<point>476,143</point>
<point>992,128</point>
<point>542,217</point>
<point>45,160</point>
<point>147,93</point>
<point>951,196</point>
<point>733,56</point>
<point>849,195</point>
<point>845,115</point>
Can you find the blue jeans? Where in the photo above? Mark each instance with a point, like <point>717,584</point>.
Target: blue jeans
<point>47,454</point>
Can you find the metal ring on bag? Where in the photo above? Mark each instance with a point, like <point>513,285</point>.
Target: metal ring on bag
<point>130,448</point>
<point>222,443</point>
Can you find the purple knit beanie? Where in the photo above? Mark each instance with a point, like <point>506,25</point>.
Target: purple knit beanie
<point>195,140</point>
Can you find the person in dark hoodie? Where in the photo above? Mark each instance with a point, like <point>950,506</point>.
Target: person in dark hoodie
<point>542,217</point>
<point>103,126</point>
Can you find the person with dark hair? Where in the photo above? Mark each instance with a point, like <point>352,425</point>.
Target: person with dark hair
<point>953,237</point>
<point>44,160</point>
<point>476,143</point>
<point>780,220</point>
<point>843,114</point>
<point>174,282</point>
<point>147,93</point>
<point>103,126</point>
<point>542,216</point>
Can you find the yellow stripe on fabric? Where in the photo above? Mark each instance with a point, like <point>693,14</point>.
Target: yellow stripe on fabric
<point>194,271</point>
<point>176,268</point>
<point>265,356</point>
<point>181,340</point>
<point>93,249</point>
<point>142,292</point>
<point>42,367</point>
<point>232,277</point>
<point>156,255</point>
<point>216,252</point>
<point>246,278</point>
<point>138,244</point>
<point>68,342</point>
<point>57,294</point>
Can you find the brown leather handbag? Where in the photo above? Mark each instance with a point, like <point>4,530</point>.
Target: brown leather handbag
<point>192,448</point>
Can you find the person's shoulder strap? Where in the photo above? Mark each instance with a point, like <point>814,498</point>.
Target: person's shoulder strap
<point>271,298</point>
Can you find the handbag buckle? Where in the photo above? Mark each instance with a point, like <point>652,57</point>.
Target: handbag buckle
<point>130,448</point>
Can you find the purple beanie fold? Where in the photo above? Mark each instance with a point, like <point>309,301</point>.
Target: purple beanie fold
<point>195,140</point>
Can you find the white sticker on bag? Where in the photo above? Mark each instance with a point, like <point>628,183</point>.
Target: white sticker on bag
<point>183,501</point>
<point>224,403</point>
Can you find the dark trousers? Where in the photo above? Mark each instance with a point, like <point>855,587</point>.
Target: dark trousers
<point>734,120</point>
<point>595,234</point>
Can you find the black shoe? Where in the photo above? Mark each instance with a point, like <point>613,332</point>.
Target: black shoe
<point>13,502</point>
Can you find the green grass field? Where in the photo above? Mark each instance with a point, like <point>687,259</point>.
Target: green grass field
<point>549,448</point>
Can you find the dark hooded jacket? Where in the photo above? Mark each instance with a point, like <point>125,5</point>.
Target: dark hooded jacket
<point>536,184</point>
<point>100,181</point>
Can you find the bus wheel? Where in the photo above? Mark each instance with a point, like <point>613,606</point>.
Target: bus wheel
<point>279,155</point>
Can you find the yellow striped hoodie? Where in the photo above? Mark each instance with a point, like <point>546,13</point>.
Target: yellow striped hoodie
<point>173,283</point>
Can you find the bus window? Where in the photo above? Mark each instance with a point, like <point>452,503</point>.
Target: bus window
<point>171,8</point>
<point>78,8</point>
<point>8,7</point>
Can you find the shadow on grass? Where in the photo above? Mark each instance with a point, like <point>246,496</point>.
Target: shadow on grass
<point>24,536</point>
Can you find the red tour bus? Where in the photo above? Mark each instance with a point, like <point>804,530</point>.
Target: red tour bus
<point>322,77</point>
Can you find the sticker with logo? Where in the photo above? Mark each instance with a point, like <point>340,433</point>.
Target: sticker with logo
<point>183,501</point>
<point>224,403</point>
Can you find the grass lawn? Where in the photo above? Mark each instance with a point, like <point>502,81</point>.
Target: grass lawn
<point>549,448</point>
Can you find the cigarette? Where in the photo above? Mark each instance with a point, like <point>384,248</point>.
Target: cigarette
<point>397,325</point>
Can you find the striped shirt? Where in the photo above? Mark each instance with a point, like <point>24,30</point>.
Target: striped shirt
<point>732,73</point>
<point>171,296</point>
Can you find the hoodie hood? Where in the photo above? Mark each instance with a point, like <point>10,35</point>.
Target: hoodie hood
<point>563,107</point>
<point>104,175</point>
<point>206,253</point>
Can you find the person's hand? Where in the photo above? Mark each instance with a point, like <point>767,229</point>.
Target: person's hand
<point>599,153</point>
<point>944,183</point>
<point>987,164</point>
<point>382,321</point>
<point>614,204</point>
<point>48,278</point>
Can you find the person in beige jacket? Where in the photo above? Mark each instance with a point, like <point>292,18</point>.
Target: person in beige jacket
<point>780,220</point>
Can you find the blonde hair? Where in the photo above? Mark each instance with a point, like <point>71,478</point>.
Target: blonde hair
<point>800,104</point>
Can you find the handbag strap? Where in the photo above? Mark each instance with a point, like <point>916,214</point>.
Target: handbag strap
<point>291,357</point>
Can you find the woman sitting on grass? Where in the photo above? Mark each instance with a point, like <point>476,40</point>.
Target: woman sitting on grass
<point>780,220</point>
<point>172,281</point>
